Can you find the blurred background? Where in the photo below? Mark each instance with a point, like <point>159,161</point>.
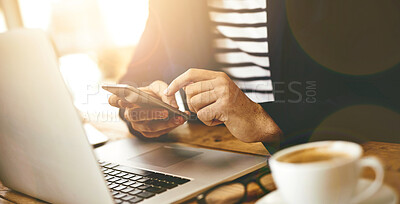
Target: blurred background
<point>94,39</point>
<point>104,32</point>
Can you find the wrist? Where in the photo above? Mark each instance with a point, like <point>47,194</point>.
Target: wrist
<point>269,131</point>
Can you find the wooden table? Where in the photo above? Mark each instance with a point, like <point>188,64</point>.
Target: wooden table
<point>219,138</point>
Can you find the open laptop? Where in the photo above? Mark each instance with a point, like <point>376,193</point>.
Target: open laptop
<point>44,152</point>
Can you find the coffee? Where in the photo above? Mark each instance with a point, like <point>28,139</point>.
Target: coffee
<point>323,172</point>
<point>316,154</point>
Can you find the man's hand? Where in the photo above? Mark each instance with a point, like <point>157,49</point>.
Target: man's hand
<point>149,121</point>
<point>216,99</point>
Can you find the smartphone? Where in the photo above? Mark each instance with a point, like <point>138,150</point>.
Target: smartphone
<point>134,95</point>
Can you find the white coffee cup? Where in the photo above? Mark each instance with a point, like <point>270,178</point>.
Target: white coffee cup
<point>328,181</point>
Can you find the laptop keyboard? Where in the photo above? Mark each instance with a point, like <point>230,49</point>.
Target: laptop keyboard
<point>131,185</point>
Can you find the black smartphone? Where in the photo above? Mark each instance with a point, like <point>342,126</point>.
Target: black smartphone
<point>134,95</point>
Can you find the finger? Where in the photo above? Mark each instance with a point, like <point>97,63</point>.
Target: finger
<point>215,123</point>
<point>158,88</point>
<point>192,75</point>
<point>203,99</point>
<point>157,134</point>
<point>148,91</point>
<point>125,104</point>
<point>189,104</point>
<point>199,87</point>
<point>113,101</point>
<point>156,126</point>
<point>196,88</point>
<point>145,114</point>
<point>210,115</point>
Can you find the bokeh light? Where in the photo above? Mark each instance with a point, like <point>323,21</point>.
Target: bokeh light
<point>125,20</point>
<point>360,123</point>
<point>36,14</point>
<point>122,20</point>
<point>350,37</point>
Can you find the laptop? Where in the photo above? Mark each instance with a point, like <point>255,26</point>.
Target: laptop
<point>44,151</point>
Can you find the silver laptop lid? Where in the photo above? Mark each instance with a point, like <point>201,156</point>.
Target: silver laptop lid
<point>43,149</point>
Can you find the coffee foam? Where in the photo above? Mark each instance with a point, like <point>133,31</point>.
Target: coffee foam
<point>314,154</point>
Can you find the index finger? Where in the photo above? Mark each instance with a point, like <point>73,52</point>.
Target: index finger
<point>157,88</point>
<point>115,101</point>
<point>191,75</point>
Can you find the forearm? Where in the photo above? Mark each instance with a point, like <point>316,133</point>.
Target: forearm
<point>253,124</point>
<point>265,126</point>
<point>268,131</point>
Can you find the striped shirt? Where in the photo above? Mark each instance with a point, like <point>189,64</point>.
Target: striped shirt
<point>240,30</point>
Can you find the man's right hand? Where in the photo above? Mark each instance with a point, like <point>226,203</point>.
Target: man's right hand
<point>149,121</point>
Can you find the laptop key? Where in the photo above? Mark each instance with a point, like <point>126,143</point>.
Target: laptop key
<point>136,178</point>
<point>135,192</point>
<point>136,200</point>
<point>118,201</point>
<point>143,187</point>
<point>119,188</point>
<point>155,175</point>
<point>128,197</point>
<point>112,186</point>
<point>154,182</point>
<point>120,195</point>
<point>120,181</point>
<point>114,173</point>
<point>155,189</point>
<point>108,171</point>
<point>168,185</point>
<point>128,176</point>
<point>180,180</point>
<point>121,174</point>
<point>136,185</point>
<point>145,194</point>
<point>143,180</point>
<point>128,183</point>
<point>127,190</point>
<point>113,179</point>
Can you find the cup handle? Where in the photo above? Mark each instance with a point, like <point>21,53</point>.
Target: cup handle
<point>376,165</point>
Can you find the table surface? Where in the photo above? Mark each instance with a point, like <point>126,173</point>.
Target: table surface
<point>219,138</point>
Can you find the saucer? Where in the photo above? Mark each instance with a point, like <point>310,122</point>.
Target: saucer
<point>385,195</point>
